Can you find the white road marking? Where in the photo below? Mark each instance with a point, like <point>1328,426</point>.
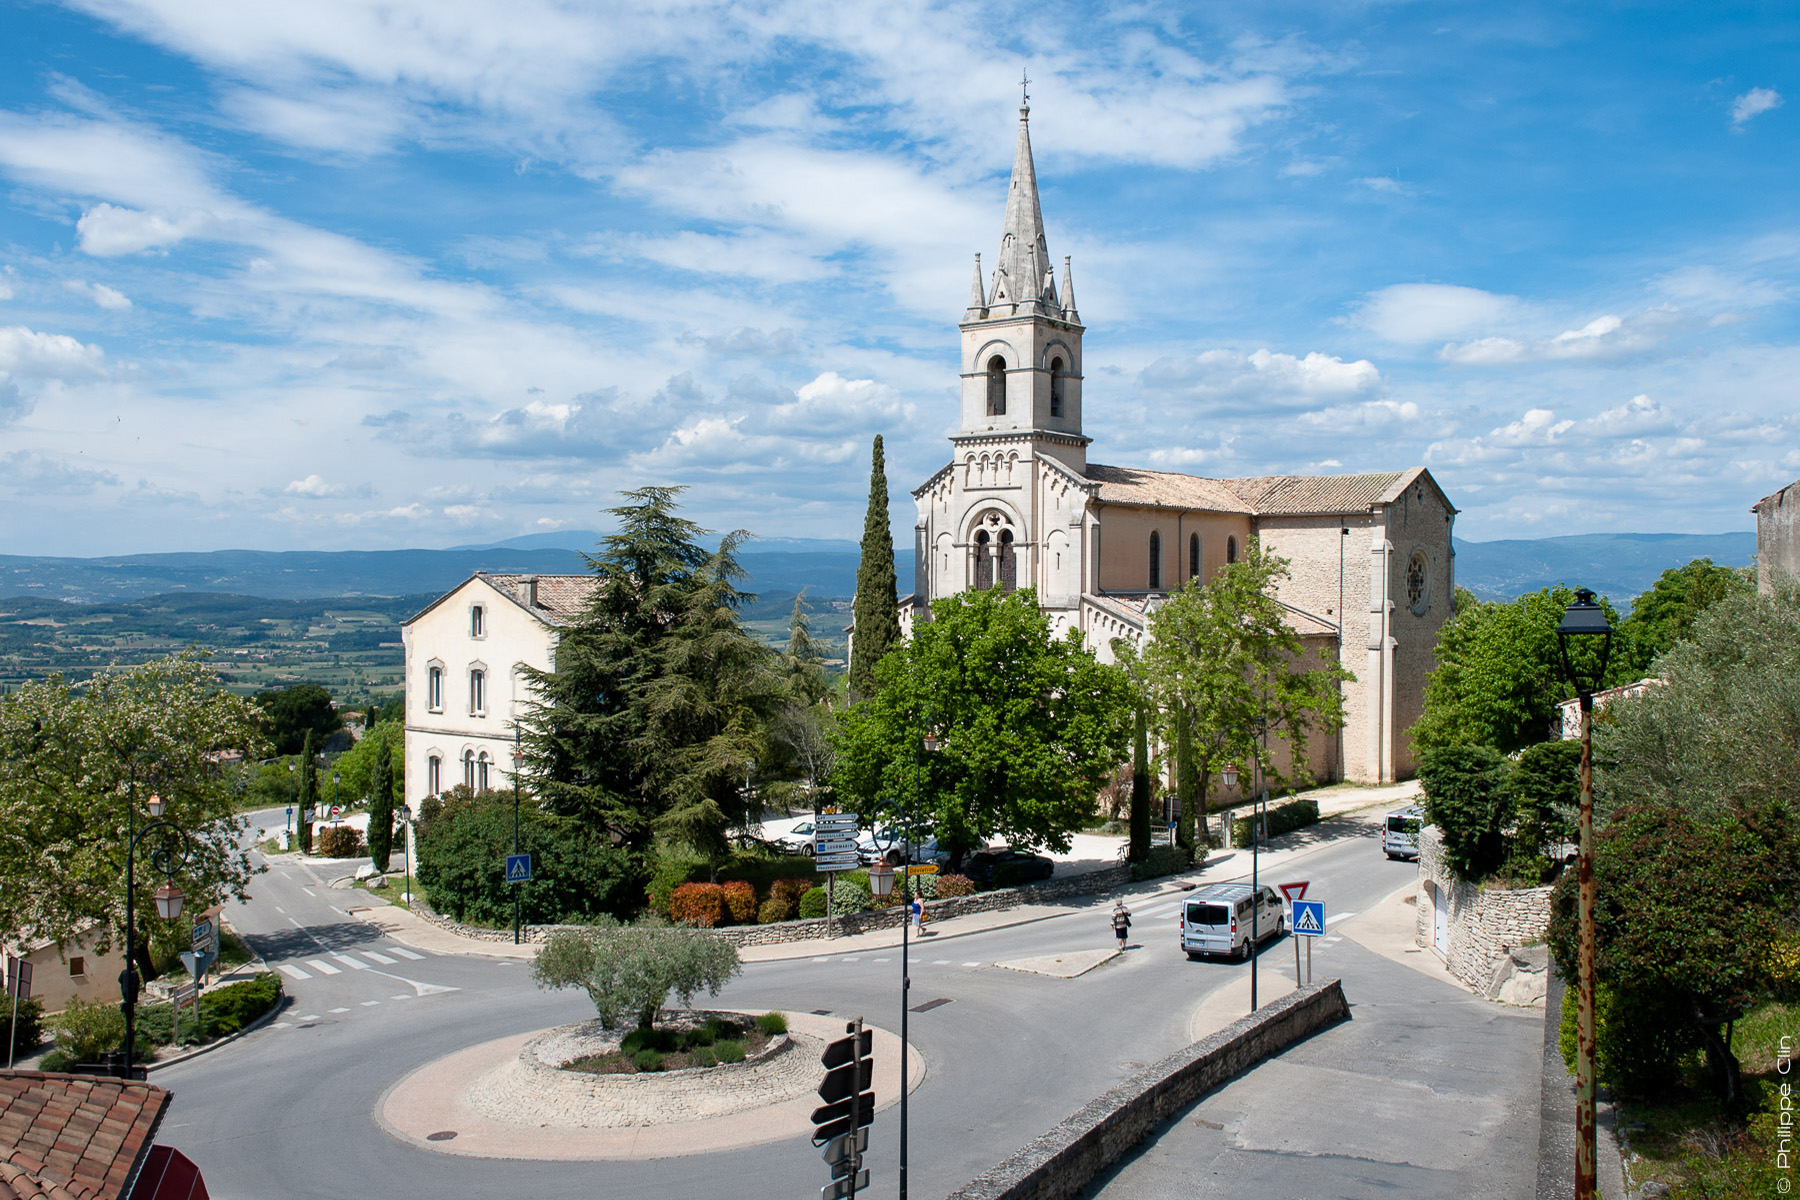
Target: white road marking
<point>322,967</point>
<point>340,912</point>
<point>309,892</point>
<point>821,960</point>
<point>1338,917</point>
<point>936,962</point>
<point>971,964</point>
<point>383,959</point>
<point>372,1003</point>
<point>884,960</point>
<point>350,962</point>
<point>857,958</point>
<point>310,1017</point>
<point>281,910</point>
<point>291,971</point>
<point>399,997</point>
<point>335,1011</point>
<point>405,953</point>
<point>282,1025</point>
<point>295,924</point>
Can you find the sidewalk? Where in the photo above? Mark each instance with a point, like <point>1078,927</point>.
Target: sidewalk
<point>1355,806</point>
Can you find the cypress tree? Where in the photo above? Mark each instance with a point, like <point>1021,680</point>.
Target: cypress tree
<point>876,612</point>
<point>309,792</point>
<point>1140,789</point>
<point>381,806</point>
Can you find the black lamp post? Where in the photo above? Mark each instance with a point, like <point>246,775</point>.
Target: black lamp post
<point>169,853</point>
<point>406,842</point>
<point>293,793</point>
<point>1256,828</point>
<point>1585,620</point>
<point>518,766</point>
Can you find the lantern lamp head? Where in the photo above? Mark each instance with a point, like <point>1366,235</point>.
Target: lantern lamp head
<point>1231,774</point>
<point>1581,620</point>
<point>168,899</point>
<point>155,804</point>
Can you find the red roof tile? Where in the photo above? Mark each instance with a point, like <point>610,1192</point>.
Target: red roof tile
<point>74,1137</point>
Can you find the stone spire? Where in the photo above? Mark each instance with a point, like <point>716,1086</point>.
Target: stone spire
<point>1068,294</point>
<point>1024,262</point>
<point>977,304</point>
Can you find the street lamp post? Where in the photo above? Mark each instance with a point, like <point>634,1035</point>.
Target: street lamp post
<point>1585,619</point>
<point>1256,828</point>
<point>518,765</point>
<point>406,843</point>
<point>169,853</point>
<point>928,744</point>
<point>335,808</point>
<point>293,794</point>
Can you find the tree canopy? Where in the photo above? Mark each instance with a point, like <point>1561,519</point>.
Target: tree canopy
<point>73,761</point>
<point>1666,614</point>
<point>659,699</point>
<point>289,713</point>
<point>1221,662</point>
<point>1029,725</point>
<point>630,970</point>
<point>876,611</point>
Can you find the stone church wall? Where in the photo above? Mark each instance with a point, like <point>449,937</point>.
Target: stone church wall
<point>1777,537</point>
<point>1125,545</point>
<point>1417,522</point>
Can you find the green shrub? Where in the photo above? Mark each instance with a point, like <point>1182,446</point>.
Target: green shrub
<point>761,871</point>
<point>339,841</point>
<point>774,909</point>
<point>669,871</point>
<point>1162,860</point>
<point>704,1057</point>
<point>951,886</point>
<point>740,901</point>
<point>1284,818</point>
<point>729,1051</point>
<point>578,874</point>
<point>630,970</point>
<point>56,1060</point>
<point>1467,798</point>
<point>791,887</point>
<point>85,1031</point>
<point>812,904</point>
<point>772,1023</point>
<point>225,1011</point>
<point>30,1030</point>
<point>850,896</point>
<point>647,1060</point>
<point>647,1038</point>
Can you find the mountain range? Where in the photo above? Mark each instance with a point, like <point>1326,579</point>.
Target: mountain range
<point>1617,565</point>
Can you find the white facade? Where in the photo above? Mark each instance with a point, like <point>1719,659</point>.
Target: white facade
<point>1019,505</point>
<point>465,683</point>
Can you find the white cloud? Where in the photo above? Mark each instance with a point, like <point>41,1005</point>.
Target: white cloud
<point>107,298</point>
<point>106,230</point>
<point>25,353</point>
<point>32,474</point>
<point>1430,312</point>
<point>1753,103</point>
<point>1604,337</point>
<point>314,487</point>
<point>831,404</point>
<point>1227,381</point>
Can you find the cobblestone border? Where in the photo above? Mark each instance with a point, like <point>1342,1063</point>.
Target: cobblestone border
<point>1087,884</point>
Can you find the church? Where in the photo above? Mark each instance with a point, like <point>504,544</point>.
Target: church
<point>1019,504</point>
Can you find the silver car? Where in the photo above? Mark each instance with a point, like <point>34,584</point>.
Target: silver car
<point>1217,919</point>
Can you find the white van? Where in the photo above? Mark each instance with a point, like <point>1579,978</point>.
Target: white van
<point>1400,833</point>
<point>1217,919</point>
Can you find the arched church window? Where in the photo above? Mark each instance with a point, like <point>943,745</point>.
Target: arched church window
<point>1009,565</point>
<point>1193,556</point>
<point>1231,549</point>
<point>1056,387</point>
<point>984,562</point>
<point>996,386</point>
<point>1155,560</point>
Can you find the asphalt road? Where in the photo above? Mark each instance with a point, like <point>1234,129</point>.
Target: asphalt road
<point>287,1111</point>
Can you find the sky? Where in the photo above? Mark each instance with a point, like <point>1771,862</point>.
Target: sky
<point>345,275</point>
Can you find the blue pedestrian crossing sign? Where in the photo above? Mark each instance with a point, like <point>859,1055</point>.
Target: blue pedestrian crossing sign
<point>1309,918</point>
<point>518,868</point>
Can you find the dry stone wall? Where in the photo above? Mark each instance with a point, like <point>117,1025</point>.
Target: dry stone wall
<point>1485,922</point>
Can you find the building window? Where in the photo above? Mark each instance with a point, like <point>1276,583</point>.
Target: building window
<point>1009,565</point>
<point>469,769</point>
<point>477,692</point>
<point>996,387</point>
<point>477,622</point>
<point>1056,387</point>
<point>481,772</point>
<point>77,966</point>
<point>434,775</point>
<point>1193,556</point>
<point>434,689</point>
<point>1231,549</point>
<point>984,562</point>
<point>1418,583</point>
<point>1155,560</point>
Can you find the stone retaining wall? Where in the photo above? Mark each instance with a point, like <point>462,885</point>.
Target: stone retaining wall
<point>1065,1160</point>
<point>1090,883</point>
<point>1485,921</point>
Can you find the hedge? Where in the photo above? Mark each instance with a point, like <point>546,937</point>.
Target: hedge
<point>338,841</point>
<point>1295,814</point>
<point>698,904</point>
<point>740,901</point>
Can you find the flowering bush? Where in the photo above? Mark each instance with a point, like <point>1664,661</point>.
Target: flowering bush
<point>701,904</point>
<point>740,901</point>
<point>950,886</point>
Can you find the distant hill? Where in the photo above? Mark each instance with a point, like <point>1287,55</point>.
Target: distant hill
<point>1618,565</point>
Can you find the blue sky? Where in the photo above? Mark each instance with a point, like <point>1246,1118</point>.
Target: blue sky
<point>346,275</point>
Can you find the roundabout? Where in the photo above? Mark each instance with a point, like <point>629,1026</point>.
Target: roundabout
<point>509,1098</point>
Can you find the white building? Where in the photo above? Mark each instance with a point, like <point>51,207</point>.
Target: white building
<point>465,680</point>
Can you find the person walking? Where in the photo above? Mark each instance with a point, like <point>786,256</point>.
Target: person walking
<point>918,913</point>
<point>1121,922</point>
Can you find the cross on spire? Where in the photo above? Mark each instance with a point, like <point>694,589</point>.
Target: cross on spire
<point>1024,95</point>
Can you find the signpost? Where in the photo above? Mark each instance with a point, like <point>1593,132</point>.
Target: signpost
<point>1309,923</point>
<point>834,849</point>
<point>1294,891</point>
<point>518,868</point>
<point>840,1125</point>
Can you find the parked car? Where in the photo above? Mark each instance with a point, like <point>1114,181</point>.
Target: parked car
<point>1400,833</point>
<point>798,840</point>
<point>1005,867</point>
<point>925,850</point>
<point>1218,919</point>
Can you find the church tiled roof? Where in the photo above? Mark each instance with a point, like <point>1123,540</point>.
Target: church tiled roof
<point>74,1137</point>
<point>1164,489</point>
<point>1298,495</point>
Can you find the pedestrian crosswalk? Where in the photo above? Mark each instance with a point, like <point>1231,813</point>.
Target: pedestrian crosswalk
<point>336,963</point>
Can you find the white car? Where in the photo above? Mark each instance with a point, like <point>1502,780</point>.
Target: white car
<point>798,840</point>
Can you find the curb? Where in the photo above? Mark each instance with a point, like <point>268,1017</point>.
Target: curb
<point>274,1010</point>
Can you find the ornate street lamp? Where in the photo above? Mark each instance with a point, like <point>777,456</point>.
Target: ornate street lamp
<point>169,852</point>
<point>405,815</point>
<point>1584,621</point>
<point>928,744</point>
<point>518,755</point>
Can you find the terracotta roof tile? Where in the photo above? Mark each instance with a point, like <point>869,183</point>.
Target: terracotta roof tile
<point>1164,489</point>
<point>74,1137</point>
<point>560,598</point>
<point>1297,495</point>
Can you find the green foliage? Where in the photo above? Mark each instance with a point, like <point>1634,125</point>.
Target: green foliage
<point>30,1028</point>
<point>631,970</point>
<point>1139,846</point>
<point>1283,818</point>
<point>1030,726</point>
<point>729,1051</point>
<point>339,841</point>
<point>773,910</point>
<point>875,612</point>
<point>292,712</point>
<point>812,904</point>
<point>772,1024</point>
<point>226,1010</point>
<point>576,873</point>
<point>85,1031</point>
<point>851,895</point>
<point>309,792</point>
<point>1162,860</point>
<point>1669,611</point>
<point>660,699</point>
<point>647,1060</point>
<point>1498,679</point>
<point>1220,661</point>
<point>381,800</point>
<point>1543,788</point>
<point>1467,799</point>
<point>951,886</point>
<point>76,762</point>
<point>356,766</point>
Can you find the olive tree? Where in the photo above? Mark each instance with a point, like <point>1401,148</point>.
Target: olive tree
<point>631,970</point>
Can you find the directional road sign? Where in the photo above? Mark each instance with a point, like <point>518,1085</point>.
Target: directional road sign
<point>849,1069</point>
<point>1309,918</point>
<point>839,1188</point>
<point>1294,891</point>
<point>18,976</point>
<point>518,868</point>
<point>848,862</point>
<point>834,845</point>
